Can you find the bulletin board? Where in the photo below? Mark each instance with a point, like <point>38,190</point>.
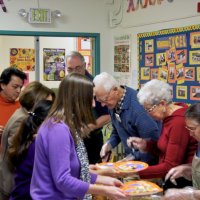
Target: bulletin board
<point>173,56</point>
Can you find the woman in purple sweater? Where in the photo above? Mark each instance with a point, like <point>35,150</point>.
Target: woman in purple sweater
<point>22,150</point>
<point>61,168</point>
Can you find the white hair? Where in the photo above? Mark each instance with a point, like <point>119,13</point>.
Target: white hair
<point>106,81</point>
<point>75,54</point>
<point>154,91</point>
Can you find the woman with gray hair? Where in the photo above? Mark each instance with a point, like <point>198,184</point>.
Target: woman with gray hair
<point>175,145</point>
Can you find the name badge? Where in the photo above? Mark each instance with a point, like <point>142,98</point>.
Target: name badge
<point>118,117</point>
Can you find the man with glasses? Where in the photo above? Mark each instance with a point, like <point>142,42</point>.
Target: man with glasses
<point>75,62</point>
<point>11,82</point>
<point>127,115</point>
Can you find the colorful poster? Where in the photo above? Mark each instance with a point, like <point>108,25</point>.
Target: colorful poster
<point>195,40</point>
<point>122,53</point>
<point>149,60</point>
<point>163,73</point>
<point>154,73</point>
<point>189,73</point>
<point>23,59</point>
<point>149,46</point>
<point>195,57</point>
<point>173,56</point>
<point>180,73</point>
<point>145,73</point>
<point>195,93</point>
<point>171,73</point>
<point>181,92</point>
<point>54,64</point>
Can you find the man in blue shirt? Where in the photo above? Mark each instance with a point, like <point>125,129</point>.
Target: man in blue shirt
<point>127,115</point>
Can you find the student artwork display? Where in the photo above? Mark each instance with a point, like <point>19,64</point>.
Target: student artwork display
<point>122,53</point>
<point>173,56</point>
<point>23,59</point>
<point>54,64</point>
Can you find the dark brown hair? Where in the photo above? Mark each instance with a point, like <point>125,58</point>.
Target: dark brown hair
<point>7,74</point>
<point>34,92</point>
<point>21,141</point>
<point>73,103</point>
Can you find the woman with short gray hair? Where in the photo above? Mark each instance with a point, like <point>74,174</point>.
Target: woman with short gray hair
<point>175,145</point>
<point>155,91</point>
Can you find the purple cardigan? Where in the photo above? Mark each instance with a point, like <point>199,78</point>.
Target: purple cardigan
<point>56,169</point>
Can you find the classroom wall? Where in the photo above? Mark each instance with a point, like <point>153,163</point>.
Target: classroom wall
<point>77,16</point>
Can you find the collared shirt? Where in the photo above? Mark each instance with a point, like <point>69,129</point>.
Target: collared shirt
<point>132,121</point>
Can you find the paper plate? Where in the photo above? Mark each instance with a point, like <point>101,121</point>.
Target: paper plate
<point>141,188</point>
<point>131,166</point>
<point>106,165</point>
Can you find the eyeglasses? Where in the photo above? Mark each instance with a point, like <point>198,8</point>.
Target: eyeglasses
<point>105,99</point>
<point>191,129</point>
<point>75,69</point>
<point>151,109</point>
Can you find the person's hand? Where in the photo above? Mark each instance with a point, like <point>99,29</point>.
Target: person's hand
<point>115,193</point>
<point>1,130</point>
<point>106,152</point>
<point>129,157</point>
<point>110,172</point>
<point>179,194</point>
<point>112,190</point>
<point>137,143</point>
<point>105,171</point>
<point>179,171</point>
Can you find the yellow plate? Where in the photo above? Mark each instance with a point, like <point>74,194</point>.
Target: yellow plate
<point>141,188</point>
<point>131,166</point>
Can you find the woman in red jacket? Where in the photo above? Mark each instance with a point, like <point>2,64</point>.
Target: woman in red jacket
<point>175,146</point>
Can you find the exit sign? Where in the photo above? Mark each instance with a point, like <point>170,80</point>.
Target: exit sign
<point>39,16</point>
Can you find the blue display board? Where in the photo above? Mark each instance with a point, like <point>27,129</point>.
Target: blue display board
<point>172,55</point>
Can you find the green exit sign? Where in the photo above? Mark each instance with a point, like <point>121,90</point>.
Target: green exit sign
<point>39,15</point>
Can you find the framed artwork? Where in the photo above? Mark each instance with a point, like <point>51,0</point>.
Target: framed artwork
<point>181,56</point>
<point>154,73</point>
<point>149,60</point>
<point>189,73</point>
<point>171,55</point>
<point>181,92</point>
<point>195,57</point>
<point>149,46</point>
<point>163,73</point>
<point>171,73</point>
<point>195,39</point>
<point>195,93</point>
<point>145,73</point>
<point>161,59</point>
